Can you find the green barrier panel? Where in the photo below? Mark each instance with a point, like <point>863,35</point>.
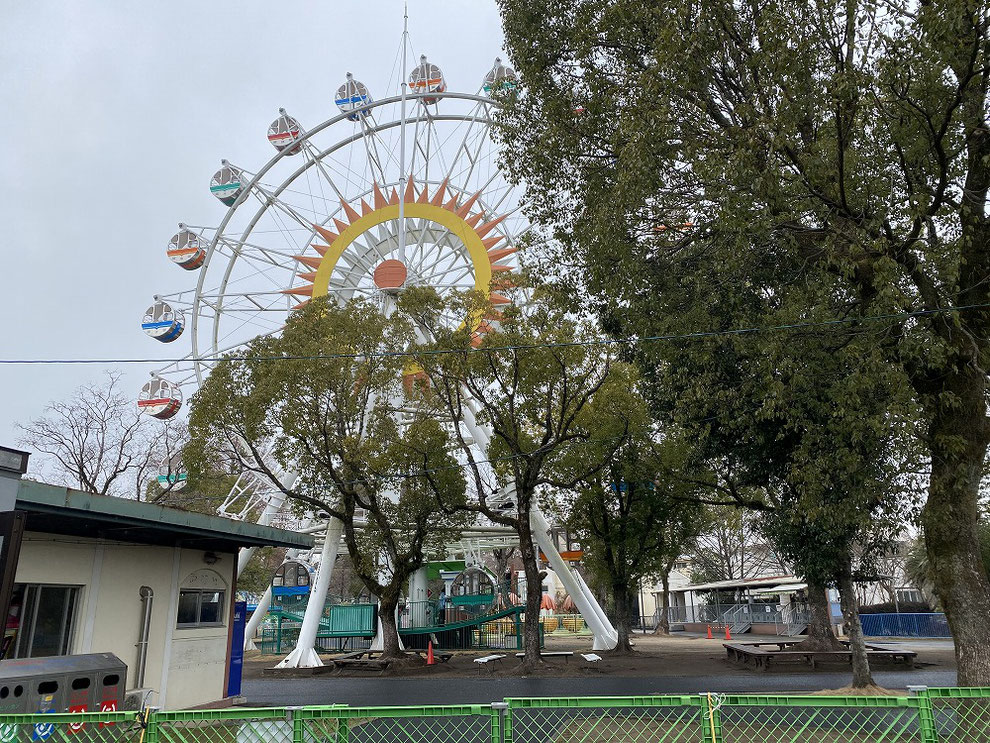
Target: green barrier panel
<point>430,724</point>
<point>232,725</point>
<point>639,719</point>
<point>814,719</point>
<point>959,715</point>
<point>954,715</point>
<point>85,727</point>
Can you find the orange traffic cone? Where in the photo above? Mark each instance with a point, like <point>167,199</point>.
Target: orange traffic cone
<point>709,632</point>
<point>728,636</point>
<point>429,654</point>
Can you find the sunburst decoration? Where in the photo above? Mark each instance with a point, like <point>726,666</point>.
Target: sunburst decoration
<point>466,221</point>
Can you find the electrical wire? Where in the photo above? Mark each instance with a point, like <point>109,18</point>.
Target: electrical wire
<point>629,340</point>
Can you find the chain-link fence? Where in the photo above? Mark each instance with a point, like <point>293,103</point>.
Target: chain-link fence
<point>930,716</point>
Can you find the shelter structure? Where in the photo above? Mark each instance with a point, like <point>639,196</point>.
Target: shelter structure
<point>150,584</point>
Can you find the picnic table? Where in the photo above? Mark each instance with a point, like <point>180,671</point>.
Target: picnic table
<point>746,652</point>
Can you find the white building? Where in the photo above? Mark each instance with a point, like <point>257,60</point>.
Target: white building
<point>152,585</point>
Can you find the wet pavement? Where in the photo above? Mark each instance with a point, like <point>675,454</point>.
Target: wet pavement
<point>370,691</point>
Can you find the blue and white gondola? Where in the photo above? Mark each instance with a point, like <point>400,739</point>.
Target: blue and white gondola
<point>163,323</point>
<point>353,98</point>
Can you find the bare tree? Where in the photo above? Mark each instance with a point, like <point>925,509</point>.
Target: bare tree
<point>96,440</point>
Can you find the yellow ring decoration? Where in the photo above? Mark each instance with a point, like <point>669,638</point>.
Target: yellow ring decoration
<point>437,214</point>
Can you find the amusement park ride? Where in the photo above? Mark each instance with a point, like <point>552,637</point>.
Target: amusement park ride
<point>386,194</point>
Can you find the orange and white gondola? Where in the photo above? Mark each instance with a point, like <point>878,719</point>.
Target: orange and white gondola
<point>426,77</point>
<point>186,249</point>
<point>160,398</point>
<point>284,133</point>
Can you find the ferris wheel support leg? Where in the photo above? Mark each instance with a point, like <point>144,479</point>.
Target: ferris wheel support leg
<point>273,506</point>
<point>304,655</point>
<point>255,621</point>
<point>606,638</point>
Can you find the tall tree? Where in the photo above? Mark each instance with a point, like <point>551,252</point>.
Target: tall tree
<point>848,139</point>
<point>95,441</point>
<point>325,399</point>
<point>556,410</point>
<point>633,523</point>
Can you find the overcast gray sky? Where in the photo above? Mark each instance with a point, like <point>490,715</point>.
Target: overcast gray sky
<point>117,116</point>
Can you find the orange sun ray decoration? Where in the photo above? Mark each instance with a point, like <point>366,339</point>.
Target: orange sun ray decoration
<point>464,217</point>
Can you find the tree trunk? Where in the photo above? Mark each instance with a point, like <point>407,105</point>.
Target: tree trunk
<point>390,631</point>
<point>534,593</point>
<point>950,518</point>
<point>620,595</point>
<point>663,622</point>
<point>857,645</point>
<point>820,635</point>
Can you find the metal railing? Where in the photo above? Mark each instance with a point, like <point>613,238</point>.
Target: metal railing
<point>905,625</point>
<point>953,715</point>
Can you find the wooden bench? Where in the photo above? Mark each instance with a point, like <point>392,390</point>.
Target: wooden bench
<point>441,657</point>
<point>752,651</point>
<point>376,664</point>
<point>565,654</point>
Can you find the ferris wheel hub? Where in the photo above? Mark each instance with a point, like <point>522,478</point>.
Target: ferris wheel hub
<point>390,275</point>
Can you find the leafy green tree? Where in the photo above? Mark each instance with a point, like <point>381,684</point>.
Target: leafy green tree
<point>846,140</point>
<point>633,523</point>
<point>556,410</point>
<point>324,399</point>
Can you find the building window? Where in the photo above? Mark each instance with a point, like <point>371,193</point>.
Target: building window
<point>200,607</point>
<point>41,620</point>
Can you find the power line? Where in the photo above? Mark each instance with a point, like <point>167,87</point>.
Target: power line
<point>630,340</point>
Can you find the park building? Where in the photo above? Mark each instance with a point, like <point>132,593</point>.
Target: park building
<point>154,586</point>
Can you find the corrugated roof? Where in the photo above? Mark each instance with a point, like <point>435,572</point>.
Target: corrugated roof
<point>57,510</point>
<point>773,580</point>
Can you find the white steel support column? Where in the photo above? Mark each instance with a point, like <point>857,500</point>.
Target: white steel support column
<point>273,506</point>
<point>418,615</point>
<point>304,655</point>
<point>606,638</point>
<point>256,618</point>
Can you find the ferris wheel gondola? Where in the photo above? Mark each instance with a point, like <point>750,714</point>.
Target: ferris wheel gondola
<point>160,399</point>
<point>284,133</point>
<point>186,249</point>
<point>500,77</point>
<point>353,98</point>
<point>226,184</point>
<point>427,77</point>
<point>162,322</point>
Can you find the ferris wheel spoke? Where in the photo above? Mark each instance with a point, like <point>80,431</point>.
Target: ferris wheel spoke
<point>463,146</point>
<point>371,148</point>
<point>266,260</point>
<point>317,160</point>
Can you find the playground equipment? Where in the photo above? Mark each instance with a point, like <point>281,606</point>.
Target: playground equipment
<point>387,194</point>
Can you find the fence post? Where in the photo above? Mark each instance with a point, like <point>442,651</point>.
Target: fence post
<point>297,721</point>
<point>711,723</point>
<point>148,718</point>
<point>926,714</point>
<point>499,721</point>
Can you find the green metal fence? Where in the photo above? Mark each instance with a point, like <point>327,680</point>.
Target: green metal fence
<point>959,715</point>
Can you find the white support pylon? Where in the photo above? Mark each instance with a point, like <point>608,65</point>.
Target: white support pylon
<point>273,506</point>
<point>606,638</point>
<point>304,655</point>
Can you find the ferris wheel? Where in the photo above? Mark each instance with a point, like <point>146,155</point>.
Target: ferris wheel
<point>387,193</point>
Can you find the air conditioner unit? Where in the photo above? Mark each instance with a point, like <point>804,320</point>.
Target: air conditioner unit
<point>137,699</point>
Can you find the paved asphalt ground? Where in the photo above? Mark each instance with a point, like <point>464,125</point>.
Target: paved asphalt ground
<point>278,692</point>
